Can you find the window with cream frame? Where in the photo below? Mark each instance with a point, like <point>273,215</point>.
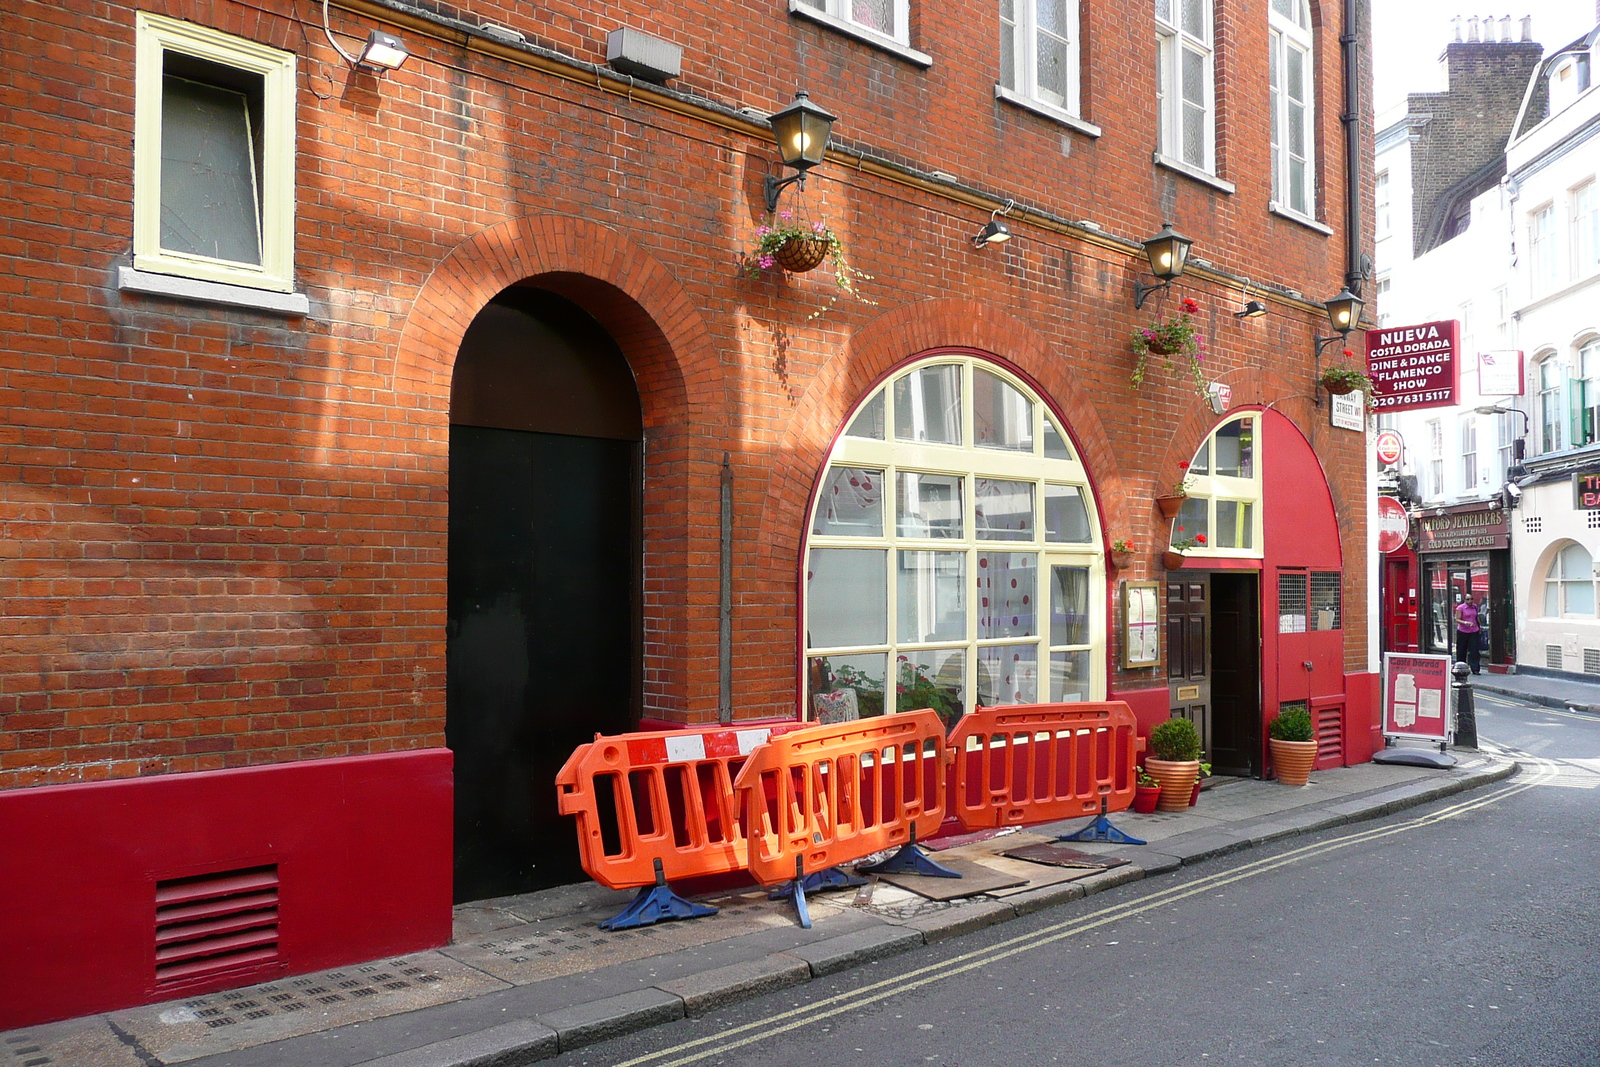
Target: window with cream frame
<point>213,156</point>
<point>953,555</point>
<point>889,19</point>
<point>1289,72</point>
<point>1186,82</point>
<point>1221,516</point>
<point>1039,51</point>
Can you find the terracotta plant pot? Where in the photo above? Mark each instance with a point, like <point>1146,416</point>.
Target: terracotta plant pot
<point>800,254</point>
<point>1170,505</point>
<point>1121,560</point>
<point>1293,760</point>
<point>1145,797</point>
<point>1177,780</point>
<point>1172,560</point>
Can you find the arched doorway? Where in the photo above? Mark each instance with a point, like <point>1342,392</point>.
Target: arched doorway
<point>542,646</point>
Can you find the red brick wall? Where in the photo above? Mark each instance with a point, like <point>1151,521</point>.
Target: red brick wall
<point>224,530</point>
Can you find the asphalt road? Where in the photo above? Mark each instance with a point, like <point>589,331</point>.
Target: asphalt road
<point>1465,932</point>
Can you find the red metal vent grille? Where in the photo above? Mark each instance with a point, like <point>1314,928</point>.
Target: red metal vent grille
<point>216,922</point>
<point>1330,736</point>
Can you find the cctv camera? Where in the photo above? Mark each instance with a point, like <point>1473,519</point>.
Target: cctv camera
<point>1514,490</point>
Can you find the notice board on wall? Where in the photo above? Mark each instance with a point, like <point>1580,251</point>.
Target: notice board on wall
<point>1417,697</point>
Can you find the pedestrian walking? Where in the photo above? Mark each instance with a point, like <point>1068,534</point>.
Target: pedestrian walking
<point>1467,634</point>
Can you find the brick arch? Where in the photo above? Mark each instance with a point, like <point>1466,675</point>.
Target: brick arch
<point>892,339</point>
<point>667,344</point>
<point>638,300</point>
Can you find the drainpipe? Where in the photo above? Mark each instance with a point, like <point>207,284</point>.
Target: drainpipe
<point>1354,274</point>
<point>725,600</point>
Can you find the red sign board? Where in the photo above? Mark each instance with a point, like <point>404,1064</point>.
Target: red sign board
<point>1586,490</point>
<point>1416,696</point>
<point>1390,447</point>
<point>1394,525</point>
<point>1464,530</point>
<point>1414,366</point>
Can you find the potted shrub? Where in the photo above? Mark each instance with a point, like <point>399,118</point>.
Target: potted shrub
<point>1345,378</point>
<point>1174,761</point>
<point>1170,505</point>
<point>1122,553</point>
<point>1177,341</point>
<point>1173,557</point>
<point>1205,772</point>
<point>1146,791</point>
<point>785,242</point>
<point>1293,750</point>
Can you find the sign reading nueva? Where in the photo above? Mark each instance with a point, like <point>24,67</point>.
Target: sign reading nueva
<point>1414,366</point>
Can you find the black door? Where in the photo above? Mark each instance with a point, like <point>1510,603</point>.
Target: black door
<point>1235,674</point>
<point>1188,652</point>
<point>542,638</point>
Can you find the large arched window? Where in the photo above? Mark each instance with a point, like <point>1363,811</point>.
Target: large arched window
<point>1222,515</point>
<point>1289,71</point>
<point>954,555</point>
<point>1569,584</point>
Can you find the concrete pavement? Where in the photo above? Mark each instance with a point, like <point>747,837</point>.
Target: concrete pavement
<point>528,976</point>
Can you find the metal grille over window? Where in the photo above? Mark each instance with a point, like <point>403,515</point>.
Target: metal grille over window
<point>216,922</point>
<point>1552,657</point>
<point>1326,600</point>
<point>1292,598</point>
<point>1591,661</point>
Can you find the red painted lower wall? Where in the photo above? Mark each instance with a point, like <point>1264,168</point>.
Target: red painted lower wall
<point>363,848</point>
<point>1151,707</point>
<point>1363,728</point>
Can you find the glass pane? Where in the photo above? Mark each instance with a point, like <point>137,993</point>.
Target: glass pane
<point>1229,532</point>
<point>1003,510</point>
<point>1069,676</point>
<point>847,592</point>
<point>929,504</point>
<point>209,195</point>
<point>1066,515</point>
<point>851,503</point>
<point>874,14</point>
<point>1580,597</point>
<point>1053,16</point>
<point>1055,444</point>
<point>1235,450</point>
<point>1575,563</point>
<point>1192,523</point>
<point>1164,10</point>
<point>933,596</point>
<point>1001,416</point>
<point>933,678</point>
<point>846,688</point>
<point>1006,594</point>
<point>1194,130</point>
<point>1297,130</point>
<point>1008,45</point>
<point>868,422</point>
<point>927,405</point>
<point>1201,464</point>
<point>1297,186</point>
<point>1194,19</point>
<point>1552,598</point>
<point>1051,76</point>
<point>1008,674</point>
<point>1069,605</point>
<point>1194,71</point>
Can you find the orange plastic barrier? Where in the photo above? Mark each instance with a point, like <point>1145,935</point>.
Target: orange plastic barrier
<point>827,795</point>
<point>666,795</point>
<point>1029,763</point>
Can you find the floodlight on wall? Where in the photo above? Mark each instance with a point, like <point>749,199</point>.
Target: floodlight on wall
<point>1253,309</point>
<point>994,232</point>
<point>381,52</point>
<point>801,130</point>
<point>1167,252</point>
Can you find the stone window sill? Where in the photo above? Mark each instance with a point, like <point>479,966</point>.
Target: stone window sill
<point>1196,173</point>
<point>130,280</point>
<point>1049,111</point>
<point>861,33</point>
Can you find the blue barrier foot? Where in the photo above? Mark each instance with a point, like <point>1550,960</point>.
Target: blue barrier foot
<point>795,889</point>
<point>1102,830</point>
<point>654,904</point>
<point>832,878</point>
<point>910,860</point>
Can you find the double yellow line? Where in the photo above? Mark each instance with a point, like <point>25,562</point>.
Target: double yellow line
<point>782,1022</point>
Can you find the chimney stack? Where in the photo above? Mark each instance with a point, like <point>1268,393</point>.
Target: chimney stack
<point>1527,22</point>
<point>1472,30</point>
<point>1455,26</point>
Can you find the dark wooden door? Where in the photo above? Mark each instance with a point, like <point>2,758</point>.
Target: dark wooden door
<point>543,639</point>
<point>1236,674</point>
<point>1188,651</point>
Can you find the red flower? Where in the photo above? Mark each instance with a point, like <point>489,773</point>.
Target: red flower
<point>1190,305</point>
<point>1349,354</point>
<point>1199,539</point>
<point>1183,466</point>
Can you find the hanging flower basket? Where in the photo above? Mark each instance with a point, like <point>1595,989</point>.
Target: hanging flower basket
<point>1172,560</point>
<point>1121,560</point>
<point>1340,380</point>
<point>800,254</point>
<point>1177,341</point>
<point>1170,505</point>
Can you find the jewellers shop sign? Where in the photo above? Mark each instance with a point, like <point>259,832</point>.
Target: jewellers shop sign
<point>1414,366</point>
<point>1481,529</point>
